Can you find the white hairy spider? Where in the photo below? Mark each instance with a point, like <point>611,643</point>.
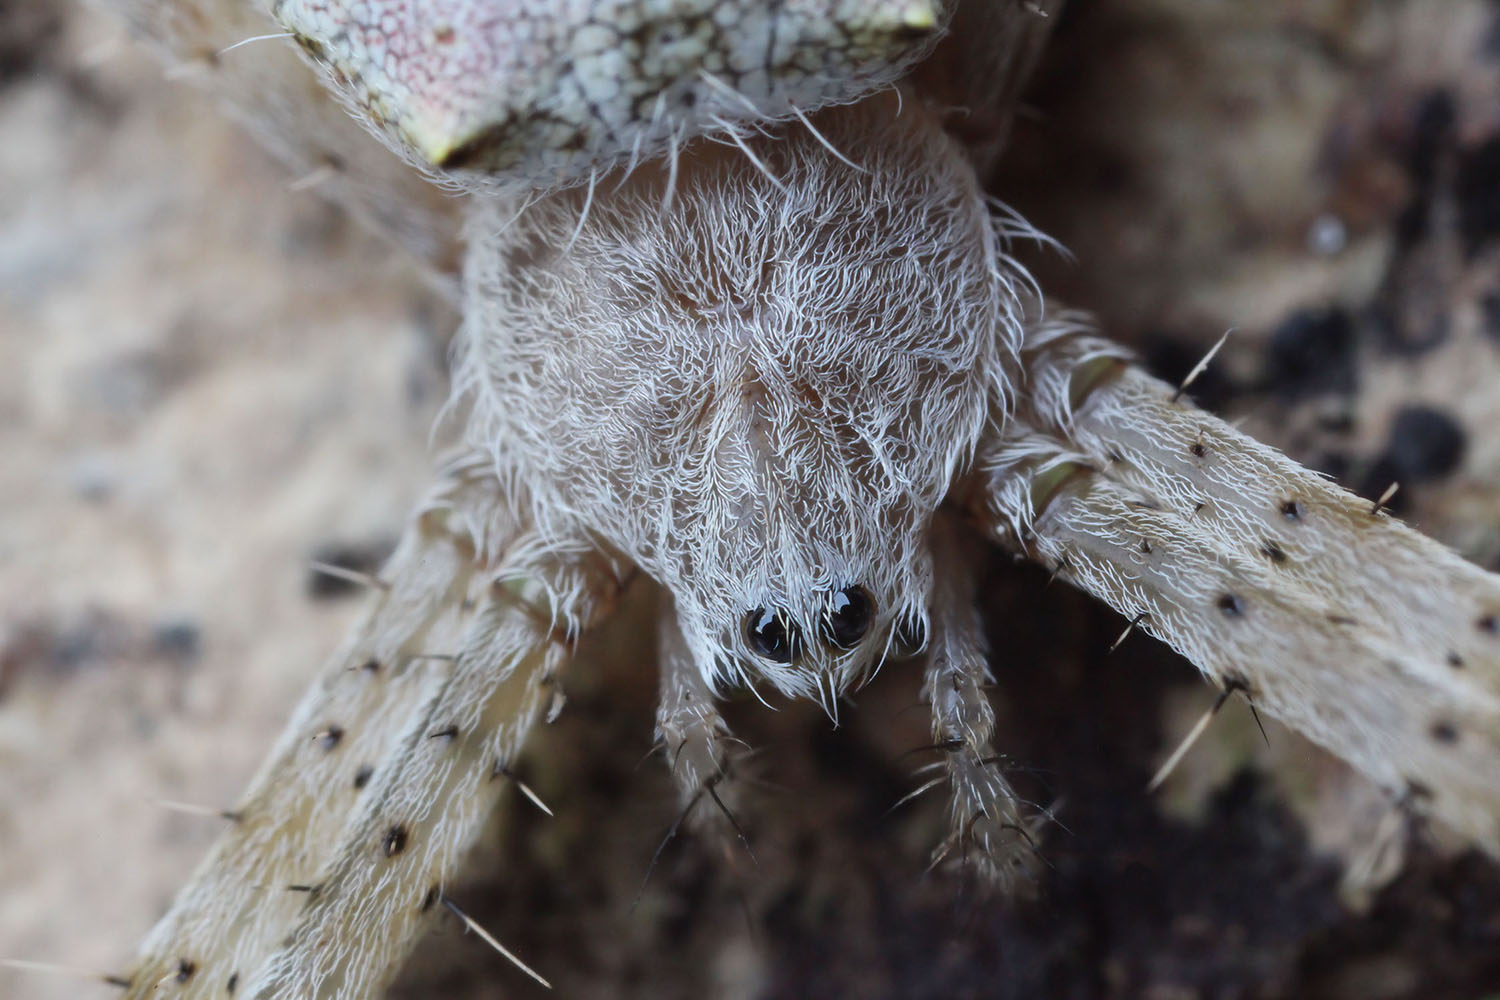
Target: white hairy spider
<point>738,316</point>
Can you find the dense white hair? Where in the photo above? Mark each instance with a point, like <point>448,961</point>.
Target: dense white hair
<point>759,384</point>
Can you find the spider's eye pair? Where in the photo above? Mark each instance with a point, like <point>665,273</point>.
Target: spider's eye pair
<point>773,634</point>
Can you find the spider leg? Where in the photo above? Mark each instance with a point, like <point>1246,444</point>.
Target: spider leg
<point>389,766</point>
<point>280,100</point>
<point>987,827</point>
<point>696,739</point>
<point>1371,639</point>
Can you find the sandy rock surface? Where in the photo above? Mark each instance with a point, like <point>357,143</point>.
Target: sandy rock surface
<point>207,380</point>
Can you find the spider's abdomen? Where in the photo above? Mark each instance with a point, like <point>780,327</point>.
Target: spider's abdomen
<point>544,92</point>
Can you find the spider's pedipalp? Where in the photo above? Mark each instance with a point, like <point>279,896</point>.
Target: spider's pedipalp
<point>988,828</point>
<point>695,736</point>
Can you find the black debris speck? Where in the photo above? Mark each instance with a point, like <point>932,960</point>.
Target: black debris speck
<point>1489,307</point>
<point>1312,353</point>
<point>177,639</point>
<point>28,33</point>
<point>1424,444</point>
<point>1409,327</point>
<point>1432,133</point>
<point>1478,194</point>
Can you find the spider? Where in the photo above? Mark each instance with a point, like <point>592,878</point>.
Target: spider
<point>760,340</point>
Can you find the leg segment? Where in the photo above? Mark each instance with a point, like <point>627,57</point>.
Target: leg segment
<point>1372,640</point>
<point>387,769</point>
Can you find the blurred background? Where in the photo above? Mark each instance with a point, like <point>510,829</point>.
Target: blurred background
<point>212,376</point>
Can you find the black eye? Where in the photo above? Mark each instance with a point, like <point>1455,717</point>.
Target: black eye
<point>911,637</point>
<point>773,635</point>
<point>848,618</point>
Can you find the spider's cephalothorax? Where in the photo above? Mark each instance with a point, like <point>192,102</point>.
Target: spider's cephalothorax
<point>756,381</point>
